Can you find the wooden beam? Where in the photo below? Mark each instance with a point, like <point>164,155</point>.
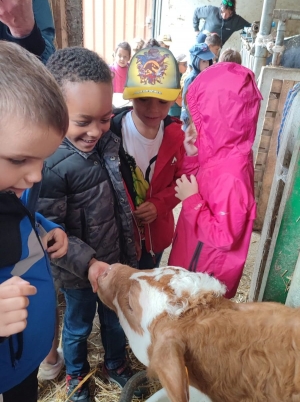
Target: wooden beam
<point>60,21</point>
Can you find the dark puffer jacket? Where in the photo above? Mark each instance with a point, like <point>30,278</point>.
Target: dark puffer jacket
<point>85,194</point>
<point>215,23</point>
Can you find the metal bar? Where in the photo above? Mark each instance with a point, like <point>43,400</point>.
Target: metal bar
<point>286,14</point>
<point>279,42</point>
<point>265,29</point>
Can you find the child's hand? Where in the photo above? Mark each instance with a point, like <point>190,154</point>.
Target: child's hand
<point>189,140</point>
<point>186,188</point>
<point>55,243</point>
<point>13,305</point>
<point>146,212</point>
<point>96,268</point>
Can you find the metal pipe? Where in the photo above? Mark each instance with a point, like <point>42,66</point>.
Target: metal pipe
<point>153,19</point>
<point>279,42</point>
<point>260,55</point>
<point>286,14</point>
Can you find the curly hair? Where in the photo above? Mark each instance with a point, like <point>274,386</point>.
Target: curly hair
<point>78,64</point>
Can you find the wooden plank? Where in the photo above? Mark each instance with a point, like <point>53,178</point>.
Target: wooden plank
<point>273,105</point>
<point>276,86</point>
<point>60,21</point>
<point>271,159</point>
<point>258,175</point>
<point>261,158</point>
<point>265,142</point>
<point>269,123</point>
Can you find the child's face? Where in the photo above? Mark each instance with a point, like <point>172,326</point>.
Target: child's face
<point>24,147</point>
<point>122,57</point>
<point>215,49</point>
<point>182,66</point>
<point>203,64</point>
<point>90,108</point>
<point>151,111</point>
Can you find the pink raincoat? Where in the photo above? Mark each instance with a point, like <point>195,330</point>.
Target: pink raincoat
<point>215,225</point>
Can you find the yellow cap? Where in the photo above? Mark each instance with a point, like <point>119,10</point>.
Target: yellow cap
<point>153,72</point>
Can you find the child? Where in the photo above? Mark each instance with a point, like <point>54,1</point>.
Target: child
<point>218,209</point>
<point>152,148</point>
<point>34,120</point>
<point>231,55</point>
<point>201,58</point>
<point>120,66</point>
<point>214,43</point>
<point>83,190</point>
<point>175,110</point>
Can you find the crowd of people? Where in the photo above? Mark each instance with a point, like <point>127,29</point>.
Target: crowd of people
<point>82,183</point>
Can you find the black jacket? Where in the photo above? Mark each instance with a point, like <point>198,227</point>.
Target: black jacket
<point>85,194</point>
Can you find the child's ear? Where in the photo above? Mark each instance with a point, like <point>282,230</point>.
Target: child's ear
<point>167,363</point>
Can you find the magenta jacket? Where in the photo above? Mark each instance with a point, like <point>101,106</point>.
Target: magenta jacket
<point>119,77</point>
<point>215,225</point>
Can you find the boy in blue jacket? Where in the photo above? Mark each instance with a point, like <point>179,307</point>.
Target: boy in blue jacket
<point>34,120</point>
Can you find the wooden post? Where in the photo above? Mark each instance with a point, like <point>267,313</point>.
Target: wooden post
<point>60,21</point>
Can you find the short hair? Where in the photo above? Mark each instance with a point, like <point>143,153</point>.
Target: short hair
<point>231,55</point>
<point>124,46</point>
<point>78,64</point>
<point>151,43</point>
<point>213,39</point>
<point>28,90</point>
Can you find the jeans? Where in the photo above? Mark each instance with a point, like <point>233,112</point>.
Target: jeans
<point>78,322</point>
<point>27,390</point>
<point>147,261</point>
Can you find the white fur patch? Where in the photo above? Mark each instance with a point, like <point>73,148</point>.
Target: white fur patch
<point>138,343</point>
<point>154,301</point>
<point>182,281</point>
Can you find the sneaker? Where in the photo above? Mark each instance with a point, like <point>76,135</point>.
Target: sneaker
<point>82,394</point>
<point>121,375</point>
<point>49,371</point>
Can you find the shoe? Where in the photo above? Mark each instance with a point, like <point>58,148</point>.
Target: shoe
<point>49,371</point>
<point>121,375</point>
<point>82,394</point>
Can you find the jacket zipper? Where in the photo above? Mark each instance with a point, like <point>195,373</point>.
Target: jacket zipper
<point>150,238</point>
<point>195,258</point>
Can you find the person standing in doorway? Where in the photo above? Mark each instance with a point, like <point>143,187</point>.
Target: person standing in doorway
<point>223,20</point>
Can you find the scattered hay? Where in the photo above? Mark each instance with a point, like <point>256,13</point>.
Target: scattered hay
<point>101,389</point>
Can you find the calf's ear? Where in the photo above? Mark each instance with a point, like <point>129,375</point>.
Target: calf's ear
<point>167,363</point>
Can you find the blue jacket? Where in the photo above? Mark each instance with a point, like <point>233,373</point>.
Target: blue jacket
<point>40,40</point>
<point>22,254</point>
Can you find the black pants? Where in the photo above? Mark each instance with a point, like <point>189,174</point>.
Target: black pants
<point>26,391</point>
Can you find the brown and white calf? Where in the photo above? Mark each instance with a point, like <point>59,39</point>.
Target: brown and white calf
<point>179,325</point>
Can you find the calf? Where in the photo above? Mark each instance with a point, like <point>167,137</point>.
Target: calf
<point>179,325</point>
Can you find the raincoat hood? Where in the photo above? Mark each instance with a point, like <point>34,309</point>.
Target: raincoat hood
<point>224,103</point>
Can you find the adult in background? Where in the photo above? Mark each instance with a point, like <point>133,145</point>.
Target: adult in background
<point>223,20</point>
<point>29,23</point>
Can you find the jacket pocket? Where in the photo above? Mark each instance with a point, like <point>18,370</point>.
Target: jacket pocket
<point>195,258</point>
